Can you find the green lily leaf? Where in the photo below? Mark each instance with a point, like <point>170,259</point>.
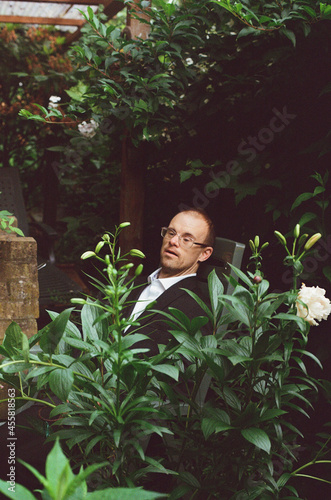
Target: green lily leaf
<point>61,381</point>
<point>171,371</point>
<point>258,437</point>
<point>52,333</point>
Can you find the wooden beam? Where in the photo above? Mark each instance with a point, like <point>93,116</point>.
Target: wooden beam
<point>118,4</point>
<point>41,20</point>
<point>70,2</point>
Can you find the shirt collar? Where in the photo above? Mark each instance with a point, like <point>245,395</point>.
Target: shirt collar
<point>167,282</point>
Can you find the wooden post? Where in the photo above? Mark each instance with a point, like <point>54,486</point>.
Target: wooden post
<point>133,163</point>
<point>137,28</point>
<point>132,195</point>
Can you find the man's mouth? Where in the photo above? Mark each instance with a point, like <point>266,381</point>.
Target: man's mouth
<point>170,252</point>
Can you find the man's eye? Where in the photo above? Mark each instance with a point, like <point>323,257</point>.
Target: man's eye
<point>171,232</point>
<point>187,239</point>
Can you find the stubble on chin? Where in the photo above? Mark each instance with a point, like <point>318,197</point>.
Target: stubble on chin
<point>169,267</point>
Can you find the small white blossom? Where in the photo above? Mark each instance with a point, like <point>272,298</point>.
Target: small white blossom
<point>312,304</point>
<point>189,61</point>
<point>53,101</point>
<point>88,129</point>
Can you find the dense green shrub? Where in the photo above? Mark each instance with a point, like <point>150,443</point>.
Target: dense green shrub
<point>244,441</point>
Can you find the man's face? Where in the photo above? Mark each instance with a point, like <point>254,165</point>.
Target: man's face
<point>178,261</point>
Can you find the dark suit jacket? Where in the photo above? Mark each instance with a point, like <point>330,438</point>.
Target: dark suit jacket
<point>153,324</point>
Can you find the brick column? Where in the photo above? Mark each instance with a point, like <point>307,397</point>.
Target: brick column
<point>19,290</point>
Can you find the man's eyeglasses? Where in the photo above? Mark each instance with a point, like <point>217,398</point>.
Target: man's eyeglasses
<point>184,241</point>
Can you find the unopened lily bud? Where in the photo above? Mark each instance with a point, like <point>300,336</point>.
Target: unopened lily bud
<point>139,270</point>
<point>87,255</point>
<point>296,232</point>
<point>265,245</point>
<point>280,237</point>
<point>128,266</point>
<point>107,260</point>
<point>312,240</point>
<point>137,253</point>
<point>252,246</point>
<point>78,301</point>
<point>257,279</point>
<point>124,224</point>
<point>256,241</point>
<point>99,246</point>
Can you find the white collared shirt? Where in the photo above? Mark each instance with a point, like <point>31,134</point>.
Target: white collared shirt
<point>155,288</point>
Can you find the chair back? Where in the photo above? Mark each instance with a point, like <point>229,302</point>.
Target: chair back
<point>225,252</point>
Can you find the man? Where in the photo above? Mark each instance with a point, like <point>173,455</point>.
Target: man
<point>187,241</point>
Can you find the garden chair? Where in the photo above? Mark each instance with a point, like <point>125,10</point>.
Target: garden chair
<point>55,287</point>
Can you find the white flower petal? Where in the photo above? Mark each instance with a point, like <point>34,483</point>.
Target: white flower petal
<point>312,304</point>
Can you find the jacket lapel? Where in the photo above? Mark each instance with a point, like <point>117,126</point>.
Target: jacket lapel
<point>168,297</point>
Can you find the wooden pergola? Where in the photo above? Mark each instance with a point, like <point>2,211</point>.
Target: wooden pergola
<point>61,13</point>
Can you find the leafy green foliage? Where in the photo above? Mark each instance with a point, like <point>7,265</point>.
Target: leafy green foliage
<point>61,483</point>
<point>6,223</point>
<point>267,17</point>
<point>113,396</point>
<point>258,385</point>
<point>106,392</point>
<point>314,209</point>
<point>48,149</point>
<point>194,88</point>
<point>144,85</point>
<point>33,67</point>
<point>321,201</point>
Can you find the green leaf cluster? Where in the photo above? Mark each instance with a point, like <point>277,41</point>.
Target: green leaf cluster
<point>60,483</point>
<point>100,375</point>
<point>6,223</point>
<point>255,371</point>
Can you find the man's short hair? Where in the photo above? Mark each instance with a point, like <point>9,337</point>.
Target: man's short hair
<point>210,239</point>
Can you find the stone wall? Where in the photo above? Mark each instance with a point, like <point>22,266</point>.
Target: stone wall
<point>19,291</point>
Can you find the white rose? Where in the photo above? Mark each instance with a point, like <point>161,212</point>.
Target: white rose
<point>312,304</point>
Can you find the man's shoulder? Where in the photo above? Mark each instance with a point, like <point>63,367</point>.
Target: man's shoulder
<point>193,284</point>
<point>182,297</point>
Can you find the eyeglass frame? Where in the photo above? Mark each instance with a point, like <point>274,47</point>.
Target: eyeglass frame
<point>165,229</point>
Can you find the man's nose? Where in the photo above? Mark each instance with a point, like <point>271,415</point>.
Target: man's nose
<point>175,240</point>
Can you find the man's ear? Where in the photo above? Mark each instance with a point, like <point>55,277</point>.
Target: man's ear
<point>205,254</point>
